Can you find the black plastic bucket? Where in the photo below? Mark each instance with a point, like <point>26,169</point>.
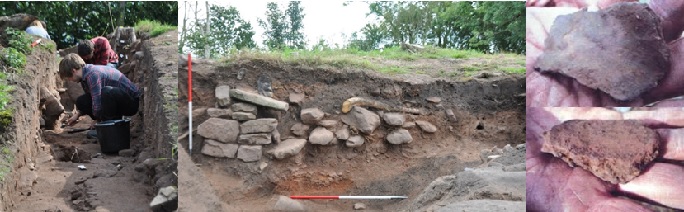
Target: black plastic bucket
<point>113,135</point>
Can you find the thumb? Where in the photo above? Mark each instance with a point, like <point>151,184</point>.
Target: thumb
<point>660,183</point>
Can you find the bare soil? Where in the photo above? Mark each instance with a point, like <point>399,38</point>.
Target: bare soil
<point>111,182</point>
<point>488,112</point>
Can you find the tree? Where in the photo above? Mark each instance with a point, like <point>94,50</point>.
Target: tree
<point>294,37</point>
<point>229,31</point>
<point>68,22</point>
<point>484,26</point>
<point>274,26</point>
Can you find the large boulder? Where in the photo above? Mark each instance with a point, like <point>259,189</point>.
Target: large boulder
<point>311,116</point>
<point>218,149</point>
<point>363,120</point>
<point>249,153</point>
<point>321,136</point>
<point>400,136</point>
<point>222,130</point>
<point>259,126</point>
<point>287,148</point>
<point>222,95</point>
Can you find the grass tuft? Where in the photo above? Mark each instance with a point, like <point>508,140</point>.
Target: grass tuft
<point>154,28</point>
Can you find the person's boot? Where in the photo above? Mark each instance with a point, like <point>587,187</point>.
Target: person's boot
<point>91,134</point>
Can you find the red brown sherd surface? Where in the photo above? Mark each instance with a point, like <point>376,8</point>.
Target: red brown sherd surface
<point>613,150</point>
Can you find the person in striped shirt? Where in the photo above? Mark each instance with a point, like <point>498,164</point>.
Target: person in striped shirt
<point>97,51</point>
<point>109,95</point>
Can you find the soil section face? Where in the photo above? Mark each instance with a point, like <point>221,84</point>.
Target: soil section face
<point>466,116</point>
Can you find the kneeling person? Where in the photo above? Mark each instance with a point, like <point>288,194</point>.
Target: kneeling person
<point>109,95</point>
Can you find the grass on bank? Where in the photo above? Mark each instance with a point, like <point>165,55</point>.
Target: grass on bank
<point>154,28</point>
<point>467,62</point>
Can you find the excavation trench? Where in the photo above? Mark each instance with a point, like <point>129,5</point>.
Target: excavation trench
<point>44,156</point>
<point>465,117</point>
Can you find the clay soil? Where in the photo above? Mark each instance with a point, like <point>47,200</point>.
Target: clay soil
<point>488,112</point>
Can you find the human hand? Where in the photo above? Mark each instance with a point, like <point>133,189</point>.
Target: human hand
<point>72,120</point>
<point>554,90</point>
<point>552,185</point>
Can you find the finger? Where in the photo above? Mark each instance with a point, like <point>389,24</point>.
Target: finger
<point>606,3</point>
<point>537,122</point>
<point>661,183</point>
<point>671,85</point>
<point>671,13</point>
<point>585,113</point>
<point>660,118</point>
<point>672,102</point>
<point>673,144</point>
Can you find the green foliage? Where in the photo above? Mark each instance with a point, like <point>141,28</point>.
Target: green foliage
<point>19,40</point>
<point>154,28</point>
<point>511,70</point>
<point>13,58</point>
<point>274,26</point>
<point>228,33</point>
<point>294,36</point>
<point>490,27</point>
<point>70,21</point>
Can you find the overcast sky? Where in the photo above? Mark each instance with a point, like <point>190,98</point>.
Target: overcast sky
<point>329,20</point>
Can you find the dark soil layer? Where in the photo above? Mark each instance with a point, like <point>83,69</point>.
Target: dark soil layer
<point>615,151</point>
<point>619,50</point>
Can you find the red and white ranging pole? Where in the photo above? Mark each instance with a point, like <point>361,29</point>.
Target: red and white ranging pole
<point>190,101</point>
<point>349,197</point>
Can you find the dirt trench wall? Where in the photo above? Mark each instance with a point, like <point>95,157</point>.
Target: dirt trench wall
<point>22,138</point>
<point>159,82</point>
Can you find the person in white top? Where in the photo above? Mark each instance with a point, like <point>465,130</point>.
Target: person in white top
<point>37,28</point>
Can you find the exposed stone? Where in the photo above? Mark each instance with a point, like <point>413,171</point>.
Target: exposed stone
<point>355,141</point>
<point>219,113</point>
<point>394,119</point>
<point>249,153</point>
<point>434,99</point>
<point>275,136</point>
<point>259,100</point>
<point>364,120</point>
<point>343,133</point>
<point>287,148</point>
<point>222,95</point>
<point>400,136</point>
<point>299,129</point>
<point>243,116</point>
<point>222,130</point>
<point>244,107</point>
<point>359,206</point>
<point>296,98</point>
<point>286,204</point>
<point>328,124</point>
<point>126,153</point>
<point>255,139</point>
<point>426,126</point>
<point>450,115</point>
<point>311,116</point>
<point>259,126</point>
<point>409,125</point>
<point>321,136</point>
<point>218,149</point>
<point>166,200</point>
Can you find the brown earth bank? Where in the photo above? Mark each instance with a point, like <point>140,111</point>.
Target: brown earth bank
<point>44,174</point>
<point>246,155</point>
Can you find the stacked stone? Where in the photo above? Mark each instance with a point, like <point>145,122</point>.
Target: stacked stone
<point>233,130</point>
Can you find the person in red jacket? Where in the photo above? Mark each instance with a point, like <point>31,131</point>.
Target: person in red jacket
<point>97,51</point>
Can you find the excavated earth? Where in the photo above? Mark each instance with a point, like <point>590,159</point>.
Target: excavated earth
<point>45,174</point>
<point>468,117</point>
